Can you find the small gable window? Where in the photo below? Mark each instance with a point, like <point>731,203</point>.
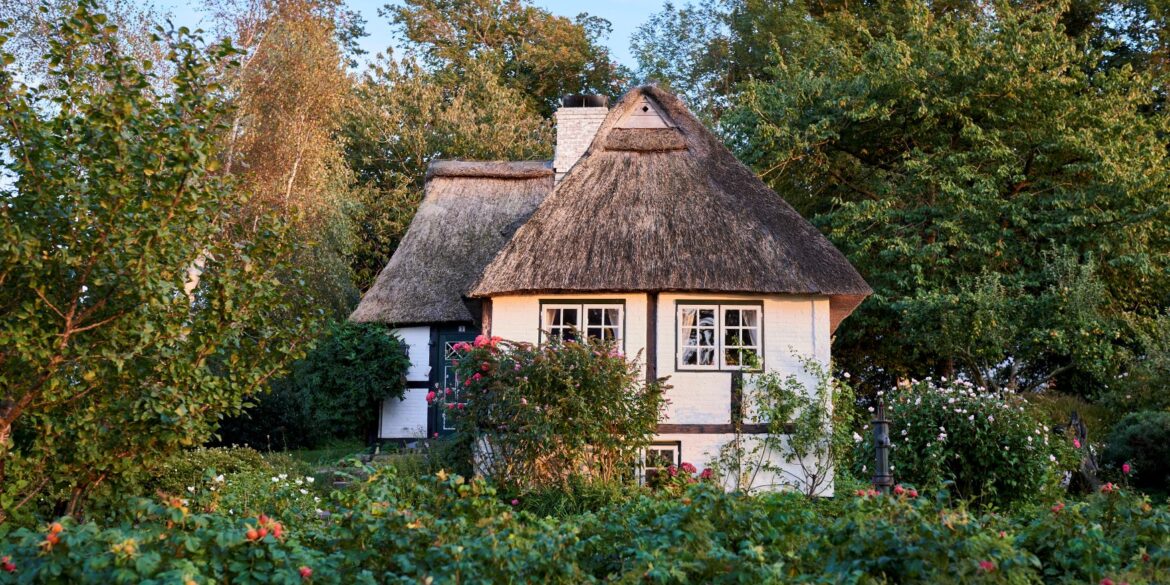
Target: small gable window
<point>719,337</point>
<point>567,321</point>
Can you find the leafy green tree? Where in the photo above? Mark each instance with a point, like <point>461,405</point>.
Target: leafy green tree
<point>402,118</point>
<point>131,316</point>
<point>540,55</point>
<point>952,155</point>
<point>335,392</point>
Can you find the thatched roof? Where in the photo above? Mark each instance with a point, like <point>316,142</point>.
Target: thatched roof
<point>668,209</point>
<point>469,212</point>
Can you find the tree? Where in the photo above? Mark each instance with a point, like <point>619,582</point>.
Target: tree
<point>537,54</point>
<point>335,392</point>
<point>951,155</point>
<point>289,95</point>
<point>112,355</point>
<point>403,117</point>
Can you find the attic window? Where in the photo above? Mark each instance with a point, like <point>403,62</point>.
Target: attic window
<point>719,337</point>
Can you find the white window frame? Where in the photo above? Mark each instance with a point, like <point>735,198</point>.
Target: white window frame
<point>645,468</point>
<point>583,318</point>
<point>720,361</point>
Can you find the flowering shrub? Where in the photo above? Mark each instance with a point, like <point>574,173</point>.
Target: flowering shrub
<point>987,445</point>
<point>538,415</point>
<point>1139,446</point>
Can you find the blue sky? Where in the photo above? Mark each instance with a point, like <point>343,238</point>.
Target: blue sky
<point>624,15</point>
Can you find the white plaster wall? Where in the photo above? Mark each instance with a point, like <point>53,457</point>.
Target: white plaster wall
<point>793,326</point>
<point>702,450</point>
<point>407,418</point>
<point>418,343</point>
<point>517,317</point>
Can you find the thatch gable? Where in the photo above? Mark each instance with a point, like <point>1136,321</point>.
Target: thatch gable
<point>642,212</point>
<point>469,212</point>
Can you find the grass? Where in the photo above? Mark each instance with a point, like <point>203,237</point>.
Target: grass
<point>330,453</point>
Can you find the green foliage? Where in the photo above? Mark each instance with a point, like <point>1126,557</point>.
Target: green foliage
<point>1142,440</point>
<point>1055,410</point>
<point>133,317</point>
<point>443,529</point>
<point>809,433</point>
<point>925,145</point>
<point>539,55</point>
<point>538,415</point>
<point>402,118</point>
<point>335,392</point>
<point>987,446</point>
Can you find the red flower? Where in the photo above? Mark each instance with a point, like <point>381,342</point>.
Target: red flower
<point>706,473</point>
<point>687,467</point>
<point>1108,488</point>
<point>467,382</point>
<point>1058,507</point>
<point>1077,443</point>
<point>306,572</point>
<point>459,406</point>
<point>7,566</point>
<point>485,366</point>
<point>481,341</point>
<point>899,490</point>
<point>430,396</point>
<point>988,566</point>
<point>672,470</point>
<point>1106,581</point>
<point>1125,468</point>
<point>913,493</point>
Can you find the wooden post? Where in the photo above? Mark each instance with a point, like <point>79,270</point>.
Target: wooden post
<point>486,318</point>
<point>651,337</point>
<point>882,478</point>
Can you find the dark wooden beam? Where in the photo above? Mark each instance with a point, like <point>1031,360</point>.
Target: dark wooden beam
<point>715,429</point>
<point>651,337</point>
<point>486,318</point>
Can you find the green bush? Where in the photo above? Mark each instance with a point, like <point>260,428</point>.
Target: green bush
<point>986,446</point>
<point>1142,440</point>
<point>444,529</point>
<point>334,393</point>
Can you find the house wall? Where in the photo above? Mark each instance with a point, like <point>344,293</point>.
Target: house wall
<point>407,418</point>
<point>793,327</point>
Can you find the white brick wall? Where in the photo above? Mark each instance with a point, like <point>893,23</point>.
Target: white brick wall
<point>575,130</point>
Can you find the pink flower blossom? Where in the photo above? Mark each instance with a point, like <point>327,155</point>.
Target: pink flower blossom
<point>1108,488</point>
<point>1077,443</point>
<point>987,566</point>
<point>913,493</point>
<point>460,405</point>
<point>523,402</point>
<point>706,474</point>
<point>485,366</point>
<point>672,470</point>
<point>1106,581</point>
<point>1125,468</point>
<point>467,382</point>
<point>430,396</point>
<point>899,490</point>
<point>476,376</point>
<point>515,502</point>
<point>687,467</point>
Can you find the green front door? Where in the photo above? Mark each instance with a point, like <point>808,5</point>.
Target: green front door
<point>443,376</point>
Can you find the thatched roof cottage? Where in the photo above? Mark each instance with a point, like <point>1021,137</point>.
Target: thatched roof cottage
<point>645,229</point>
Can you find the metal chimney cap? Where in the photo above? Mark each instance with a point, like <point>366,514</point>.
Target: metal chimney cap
<point>578,100</point>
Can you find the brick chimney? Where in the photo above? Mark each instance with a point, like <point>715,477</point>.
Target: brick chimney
<point>578,119</point>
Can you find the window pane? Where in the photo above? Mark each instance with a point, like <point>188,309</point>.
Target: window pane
<point>751,317</point>
<point>595,332</point>
<point>707,337</point>
<point>707,317</point>
<point>690,356</point>
<point>706,357</point>
<point>731,357</point>
<point>569,317</point>
<point>552,317</point>
<point>613,317</point>
<point>751,337</point>
<point>731,317</point>
<point>593,317</point>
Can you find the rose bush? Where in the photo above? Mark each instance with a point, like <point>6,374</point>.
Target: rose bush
<point>541,414</point>
<point>986,446</point>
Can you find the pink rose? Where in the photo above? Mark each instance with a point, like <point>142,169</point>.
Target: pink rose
<point>481,341</point>
<point>687,467</point>
<point>672,470</point>
<point>485,366</point>
<point>1125,468</point>
<point>899,490</point>
<point>430,396</point>
<point>477,377</point>
<point>1077,443</point>
<point>706,473</point>
<point>515,502</point>
<point>460,406</point>
<point>987,566</point>
<point>306,572</point>
<point>913,493</point>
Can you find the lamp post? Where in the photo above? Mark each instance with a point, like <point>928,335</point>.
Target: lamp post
<point>882,478</point>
